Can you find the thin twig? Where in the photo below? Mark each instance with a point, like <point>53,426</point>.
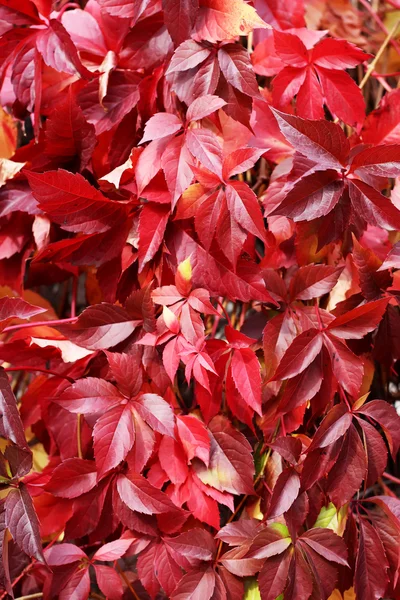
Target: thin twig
<point>79,435</point>
<point>380,23</point>
<point>391,477</point>
<point>74,294</point>
<point>128,583</point>
<point>39,324</point>
<point>381,50</point>
<point>39,370</point>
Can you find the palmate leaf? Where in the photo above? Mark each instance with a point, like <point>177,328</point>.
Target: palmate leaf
<point>333,179</point>
<point>202,201</point>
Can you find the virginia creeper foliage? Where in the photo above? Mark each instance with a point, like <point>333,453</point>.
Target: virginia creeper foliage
<point>199,299</point>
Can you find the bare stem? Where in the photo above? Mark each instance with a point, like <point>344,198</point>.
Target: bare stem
<point>39,370</point>
<point>79,435</point>
<point>39,324</point>
<point>381,50</point>
<point>128,583</point>
<point>391,477</point>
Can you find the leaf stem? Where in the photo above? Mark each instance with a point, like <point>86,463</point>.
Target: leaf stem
<point>30,596</point>
<point>227,317</point>
<point>128,583</point>
<point>380,23</point>
<point>391,477</point>
<point>381,50</point>
<point>39,324</point>
<point>39,370</point>
<point>79,435</point>
<point>74,294</point>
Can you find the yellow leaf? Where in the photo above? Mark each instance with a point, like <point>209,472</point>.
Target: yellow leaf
<point>328,518</point>
<point>336,595</point>
<point>8,135</point>
<point>251,590</point>
<point>40,457</point>
<point>358,403</point>
<point>185,269</point>
<point>348,595</point>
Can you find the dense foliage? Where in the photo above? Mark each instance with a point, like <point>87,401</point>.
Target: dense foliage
<point>199,301</point>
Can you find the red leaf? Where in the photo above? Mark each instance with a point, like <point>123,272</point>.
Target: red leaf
<point>349,470</point>
<point>157,413</point>
<point>10,421</point>
<point>247,377</point>
<point>375,208</point>
<point>72,478</point>
<point>311,197</point>
<point>321,141</point>
<point>273,576</point>
<point>203,107</point>
<point>285,492</point>
<point>370,580</point>
<point>161,125</point>
<point>176,163</point>
<point>89,395</point>
<point>169,573</point>
<point>152,223</point>
<point>113,550</point>
<point>63,554</point>
<point>313,281</point>
<point>68,134</point>
<point>109,582</point>
<point>392,259</point>
<point>225,20</point>
<point>231,467</point>
<point>73,203</point>
<point>195,545</point>
<point>346,367</point>
<point>179,18</point>
<point>236,66</point>
<point>356,323</point>
<point>337,54</point>
<point>290,49</point>
<point>300,354</point>
<point>343,96</point>
<point>194,437</point>
<point>387,417</point>
<point>113,437</point>
<point>139,495</point>
<point>58,51</point>
<point>100,327</point>
<point>381,161</point>
<point>126,369</point>
<point>17,308</point>
<point>196,585</point>
<point>333,427</point>
<point>22,521</point>
<point>204,146</point>
<point>326,543</point>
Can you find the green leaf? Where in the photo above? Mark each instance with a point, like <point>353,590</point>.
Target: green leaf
<point>327,517</point>
<point>251,589</point>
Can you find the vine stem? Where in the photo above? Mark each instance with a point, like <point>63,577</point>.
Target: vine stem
<point>39,370</point>
<point>227,317</point>
<point>380,23</point>
<point>391,477</point>
<point>79,435</point>
<point>18,578</point>
<point>256,481</point>
<point>128,583</point>
<point>372,65</point>
<point>31,596</point>
<point>74,294</point>
<point>39,324</point>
